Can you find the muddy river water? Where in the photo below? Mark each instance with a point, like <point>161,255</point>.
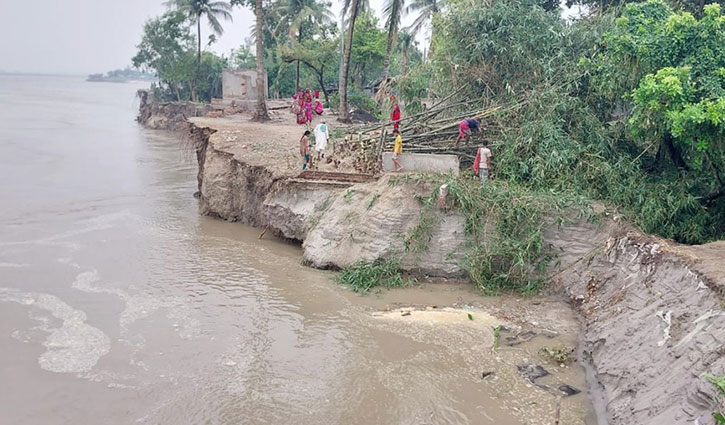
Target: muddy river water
<point>119,304</point>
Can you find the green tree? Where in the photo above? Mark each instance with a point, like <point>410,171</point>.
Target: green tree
<point>354,9</point>
<point>301,17</point>
<point>392,13</point>
<point>195,9</point>
<point>318,55</point>
<point>405,41</point>
<point>368,51</point>
<point>426,10</point>
<point>243,58</point>
<point>164,48</point>
<point>679,105</point>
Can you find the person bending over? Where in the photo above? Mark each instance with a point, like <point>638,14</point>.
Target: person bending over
<point>467,127</point>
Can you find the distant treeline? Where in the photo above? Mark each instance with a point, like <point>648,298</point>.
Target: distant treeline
<point>121,76</point>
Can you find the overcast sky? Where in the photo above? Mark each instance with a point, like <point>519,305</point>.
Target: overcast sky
<point>89,36</point>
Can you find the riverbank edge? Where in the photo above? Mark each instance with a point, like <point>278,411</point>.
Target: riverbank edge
<point>651,309</point>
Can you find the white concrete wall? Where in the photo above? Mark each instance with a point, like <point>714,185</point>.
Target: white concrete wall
<point>240,85</point>
<point>423,162</point>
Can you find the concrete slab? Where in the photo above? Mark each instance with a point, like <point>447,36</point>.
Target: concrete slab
<point>423,162</point>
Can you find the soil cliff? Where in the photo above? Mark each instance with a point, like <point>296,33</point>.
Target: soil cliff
<point>652,310</point>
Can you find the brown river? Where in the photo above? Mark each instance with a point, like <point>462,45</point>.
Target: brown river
<point>119,304</point>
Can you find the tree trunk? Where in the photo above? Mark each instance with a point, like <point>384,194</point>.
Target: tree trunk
<point>321,79</point>
<point>404,62</point>
<point>297,73</point>
<point>198,39</point>
<point>260,114</point>
<point>392,36</point>
<point>343,113</point>
<point>194,95</point>
<point>674,153</point>
<point>342,46</point>
<point>431,47</point>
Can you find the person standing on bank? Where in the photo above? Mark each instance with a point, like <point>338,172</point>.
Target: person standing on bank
<point>305,149</point>
<point>483,162</point>
<point>321,135</point>
<point>397,150</point>
<point>395,115</point>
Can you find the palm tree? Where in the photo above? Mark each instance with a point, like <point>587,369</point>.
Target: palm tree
<point>405,40</point>
<point>362,6</point>
<point>392,13</point>
<point>298,13</point>
<point>194,9</point>
<point>354,10</point>
<point>426,10</point>
<point>260,114</point>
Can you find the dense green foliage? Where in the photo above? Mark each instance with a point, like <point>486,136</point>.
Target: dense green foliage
<point>624,105</point>
<point>167,47</point>
<point>589,107</point>
<point>505,227</point>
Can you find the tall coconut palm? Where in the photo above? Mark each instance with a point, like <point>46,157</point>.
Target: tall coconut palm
<point>297,14</point>
<point>392,12</point>
<point>260,114</point>
<point>194,10</point>
<point>426,10</point>
<point>343,114</point>
<point>405,40</point>
<point>363,6</point>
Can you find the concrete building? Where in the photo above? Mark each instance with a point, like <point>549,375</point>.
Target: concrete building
<point>239,87</point>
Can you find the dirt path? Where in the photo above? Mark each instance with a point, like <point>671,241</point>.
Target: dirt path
<point>273,144</point>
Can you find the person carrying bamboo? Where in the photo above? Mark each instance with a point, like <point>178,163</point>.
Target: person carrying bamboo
<point>467,127</point>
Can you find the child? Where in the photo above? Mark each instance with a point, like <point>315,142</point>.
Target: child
<point>483,162</point>
<point>397,150</point>
<point>305,148</point>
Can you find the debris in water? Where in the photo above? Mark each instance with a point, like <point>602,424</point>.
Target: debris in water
<point>520,338</point>
<point>568,390</point>
<point>532,372</point>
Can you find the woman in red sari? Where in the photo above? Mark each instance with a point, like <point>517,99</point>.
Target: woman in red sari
<point>395,115</point>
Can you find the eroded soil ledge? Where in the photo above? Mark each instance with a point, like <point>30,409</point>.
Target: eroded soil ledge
<point>652,310</point>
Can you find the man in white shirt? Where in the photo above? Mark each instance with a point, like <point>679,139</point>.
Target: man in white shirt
<point>321,135</point>
<point>483,161</point>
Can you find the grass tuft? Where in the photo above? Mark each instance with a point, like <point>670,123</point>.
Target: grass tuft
<point>362,277</point>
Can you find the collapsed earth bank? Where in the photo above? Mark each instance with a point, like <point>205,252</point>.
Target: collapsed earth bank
<point>652,310</point>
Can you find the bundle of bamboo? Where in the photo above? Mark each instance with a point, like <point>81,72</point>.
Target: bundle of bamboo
<point>432,131</point>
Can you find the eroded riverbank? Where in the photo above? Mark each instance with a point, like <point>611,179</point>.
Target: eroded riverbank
<point>119,301</point>
<point>648,305</point>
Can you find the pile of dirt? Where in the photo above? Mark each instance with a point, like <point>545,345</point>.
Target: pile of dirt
<point>362,116</point>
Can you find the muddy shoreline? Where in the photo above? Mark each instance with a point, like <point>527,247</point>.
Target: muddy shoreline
<point>651,310</point>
